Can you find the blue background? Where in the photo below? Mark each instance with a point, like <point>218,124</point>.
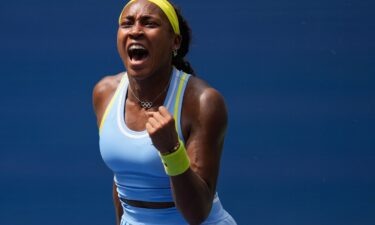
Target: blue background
<point>298,78</point>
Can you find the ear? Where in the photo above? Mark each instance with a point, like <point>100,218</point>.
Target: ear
<point>177,41</point>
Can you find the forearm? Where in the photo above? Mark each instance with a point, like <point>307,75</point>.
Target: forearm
<point>117,204</point>
<point>193,169</point>
<point>119,212</point>
<point>192,195</point>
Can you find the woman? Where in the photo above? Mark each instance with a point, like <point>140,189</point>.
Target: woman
<point>161,130</point>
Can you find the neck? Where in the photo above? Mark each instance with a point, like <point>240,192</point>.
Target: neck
<point>148,88</point>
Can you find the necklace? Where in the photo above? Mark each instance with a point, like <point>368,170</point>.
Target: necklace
<point>148,104</point>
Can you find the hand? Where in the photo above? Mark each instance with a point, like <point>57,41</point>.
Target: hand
<point>161,128</point>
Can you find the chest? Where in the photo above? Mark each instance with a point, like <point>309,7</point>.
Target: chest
<point>135,117</point>
<point>130,153</point>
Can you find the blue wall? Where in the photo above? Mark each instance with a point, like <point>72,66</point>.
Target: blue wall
<point>298,78</point>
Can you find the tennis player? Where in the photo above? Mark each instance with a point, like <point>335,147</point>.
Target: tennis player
<point>161,128</point>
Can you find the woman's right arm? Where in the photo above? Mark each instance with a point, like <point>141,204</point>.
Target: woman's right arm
<point>117,203</point>
<point>102,94</point>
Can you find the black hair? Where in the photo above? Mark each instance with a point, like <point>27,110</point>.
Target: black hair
<point>179,60</point>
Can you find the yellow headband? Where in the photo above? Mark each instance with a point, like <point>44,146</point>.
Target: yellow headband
<point>167,9</point>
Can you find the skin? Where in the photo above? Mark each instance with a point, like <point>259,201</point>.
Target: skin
<point>203,117</point>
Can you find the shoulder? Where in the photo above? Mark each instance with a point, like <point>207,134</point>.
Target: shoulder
<point>103,92</point>
<point>107,84</point>
<point>208,104</point>
<point>202,94</point>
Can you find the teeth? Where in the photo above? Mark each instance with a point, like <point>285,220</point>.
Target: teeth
<point>137,52</point>
<point>136,47</point>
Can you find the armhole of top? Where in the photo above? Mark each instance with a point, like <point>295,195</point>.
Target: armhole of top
<point>178,104</point>
<point>109,106</point>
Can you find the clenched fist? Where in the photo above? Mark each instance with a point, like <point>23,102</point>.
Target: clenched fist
<point>161,128</point>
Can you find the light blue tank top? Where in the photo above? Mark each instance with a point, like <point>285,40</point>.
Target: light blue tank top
<point>138,171</point>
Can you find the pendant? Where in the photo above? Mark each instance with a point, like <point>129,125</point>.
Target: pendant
<point>146,105</point>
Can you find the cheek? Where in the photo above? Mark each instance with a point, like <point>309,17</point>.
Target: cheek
<point>162,44</point>
<point>120,42</point>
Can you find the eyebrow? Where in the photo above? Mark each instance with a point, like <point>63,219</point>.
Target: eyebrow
<point>144,17</point>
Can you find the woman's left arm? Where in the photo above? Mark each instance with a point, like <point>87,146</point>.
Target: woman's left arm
<point>195,189</point>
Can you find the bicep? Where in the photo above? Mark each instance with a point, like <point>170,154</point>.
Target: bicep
<point>206,138</point>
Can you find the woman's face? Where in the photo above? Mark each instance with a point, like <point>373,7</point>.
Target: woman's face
<point>145,39</point>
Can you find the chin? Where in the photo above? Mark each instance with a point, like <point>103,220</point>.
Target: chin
<point>138,72</point>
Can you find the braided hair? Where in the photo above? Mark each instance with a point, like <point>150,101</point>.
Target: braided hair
<point>179,60</point>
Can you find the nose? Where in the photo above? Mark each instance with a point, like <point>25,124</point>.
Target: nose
<point>136,31</point>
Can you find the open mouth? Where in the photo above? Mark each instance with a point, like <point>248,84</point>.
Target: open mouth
<point>137,52</point>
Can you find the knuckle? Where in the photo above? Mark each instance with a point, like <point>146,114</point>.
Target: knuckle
<point>170,119</point>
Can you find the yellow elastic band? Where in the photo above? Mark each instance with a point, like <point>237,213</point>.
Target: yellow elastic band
<point>178,98</point>
<point>177,162</point>
<point>168,11</point>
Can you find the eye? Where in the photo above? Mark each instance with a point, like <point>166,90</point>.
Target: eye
<point>151,24</point>
<point>126,23</point>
